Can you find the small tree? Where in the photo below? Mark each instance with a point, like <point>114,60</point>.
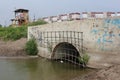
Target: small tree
<point>84,59</point>
<point>31,47</point>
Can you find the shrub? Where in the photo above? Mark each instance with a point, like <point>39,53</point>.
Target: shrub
<point>84,59</point>
<point>31,47</point>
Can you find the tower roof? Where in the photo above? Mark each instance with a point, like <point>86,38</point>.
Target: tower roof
<point>21,10</point>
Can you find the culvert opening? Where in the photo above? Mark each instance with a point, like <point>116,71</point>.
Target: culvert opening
<point>66,52</point>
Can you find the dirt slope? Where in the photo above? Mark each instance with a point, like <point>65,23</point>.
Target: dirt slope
<point>110,73</point>
<point>12,48</point>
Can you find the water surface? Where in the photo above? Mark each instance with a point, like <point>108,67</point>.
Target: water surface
<point>38,69</point>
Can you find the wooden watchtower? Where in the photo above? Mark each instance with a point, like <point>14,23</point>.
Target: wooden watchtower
<point>21,17</point>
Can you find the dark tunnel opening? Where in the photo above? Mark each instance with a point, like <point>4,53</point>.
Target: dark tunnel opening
<point>66,52</point>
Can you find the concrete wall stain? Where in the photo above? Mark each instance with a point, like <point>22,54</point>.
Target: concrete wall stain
<point>108,33</point>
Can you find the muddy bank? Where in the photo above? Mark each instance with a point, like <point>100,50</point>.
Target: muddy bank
<point>109,73</point>
<point>12,48</point>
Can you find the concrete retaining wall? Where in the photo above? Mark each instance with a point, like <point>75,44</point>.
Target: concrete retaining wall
<point>101,38</point>
<point>101,35</point>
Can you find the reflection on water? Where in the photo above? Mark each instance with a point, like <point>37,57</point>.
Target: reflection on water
<point>38,69</point>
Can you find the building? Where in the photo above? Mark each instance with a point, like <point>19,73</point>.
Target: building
<point>47,19</point>
<point>80,16</point>
<point>85,15</point>
<point>74,16</point>
<point>21,17</point>
<point>63,17</point>
<point>97,15</point>
<point>118,14</point>
<point>54,18</point>
<point>111,14</point>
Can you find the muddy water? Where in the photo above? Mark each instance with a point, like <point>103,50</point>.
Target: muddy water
<point>38,69</point>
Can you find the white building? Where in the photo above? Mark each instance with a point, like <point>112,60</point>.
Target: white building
<point>78,16</point>
<point>99,15</point>
<point>111,14</point>
<point>47,19</point>
<point>118,14</point>
<point>74,16</point>
<point>54,18</point>
<point>63,17</point>
<point>84,15</point>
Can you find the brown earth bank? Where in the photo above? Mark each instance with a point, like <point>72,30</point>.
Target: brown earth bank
<point>109,73</point>
<point>12,48</point>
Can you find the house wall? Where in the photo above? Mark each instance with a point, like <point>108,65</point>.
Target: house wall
<point>112,15</point>
<point>118,14</point>
<point>47,19</point>
<point>99,15</point>
<point>84,15</point>
<point>75,16</point>
<point>64,17</point>
<point>54,19</point>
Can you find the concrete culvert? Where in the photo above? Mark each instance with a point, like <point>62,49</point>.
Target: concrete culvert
<point>66,52</point>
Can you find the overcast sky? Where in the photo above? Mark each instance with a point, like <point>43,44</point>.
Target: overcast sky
<point>42,8</point>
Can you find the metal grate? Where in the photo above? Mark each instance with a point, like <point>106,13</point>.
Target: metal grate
<point>73,37</point>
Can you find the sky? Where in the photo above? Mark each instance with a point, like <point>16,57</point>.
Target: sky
<point>44,8</point>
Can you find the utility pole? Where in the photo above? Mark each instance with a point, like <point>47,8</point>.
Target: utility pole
<point>34,18</point>
<point>5,23</point>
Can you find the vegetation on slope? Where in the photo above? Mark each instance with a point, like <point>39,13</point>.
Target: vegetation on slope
<point>31,47</point>
<point>15,33</point>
